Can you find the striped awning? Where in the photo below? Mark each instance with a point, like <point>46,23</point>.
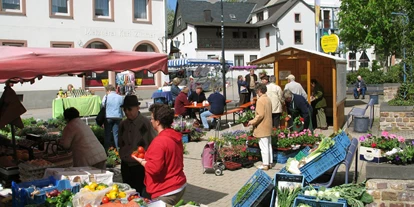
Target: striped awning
<point>176,63</point>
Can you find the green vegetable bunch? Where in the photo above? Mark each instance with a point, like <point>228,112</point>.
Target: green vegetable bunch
<point>64,199</point>
<point>325,144</point>
<point>286,196</point>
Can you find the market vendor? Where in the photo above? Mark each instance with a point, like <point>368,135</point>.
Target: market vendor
<point>80,139</point>
<point>70,87</point>
<point>164,162</point>
<point>135,131</point>
<point>297,106</point>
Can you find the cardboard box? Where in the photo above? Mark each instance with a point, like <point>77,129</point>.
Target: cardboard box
<point>80,175</point>
<point>371,154</point>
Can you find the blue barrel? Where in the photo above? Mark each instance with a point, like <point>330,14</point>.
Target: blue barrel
<point>375,97</point>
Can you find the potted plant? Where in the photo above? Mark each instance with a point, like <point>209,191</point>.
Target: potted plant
<point>113,158</point>
<point>373,147</point>
<point>246,116</point>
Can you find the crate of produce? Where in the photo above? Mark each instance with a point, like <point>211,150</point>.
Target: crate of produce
<point>301,154</point>
<point>34,169</point>
<point>328,159</point>
<point>285,180</point>
<point>301,201</point>
<point>253,192</point>
<point>312,192</point>
<point>34,192</point>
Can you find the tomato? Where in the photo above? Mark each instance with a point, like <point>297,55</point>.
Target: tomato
<point>141,149</point>
<point>141,155</point>
<point>105,199</point>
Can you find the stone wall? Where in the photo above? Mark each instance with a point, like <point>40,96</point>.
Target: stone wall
<point>391,193</point>
<point>390,90</point>
<point>396,117</point>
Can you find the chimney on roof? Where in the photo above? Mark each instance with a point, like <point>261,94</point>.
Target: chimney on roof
<point>207,16</point>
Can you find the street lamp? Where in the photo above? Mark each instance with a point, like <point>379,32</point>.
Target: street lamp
<point>406,19</point>
<point>223,60</point>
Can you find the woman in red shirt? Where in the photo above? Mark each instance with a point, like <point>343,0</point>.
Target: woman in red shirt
<point>164,162</point>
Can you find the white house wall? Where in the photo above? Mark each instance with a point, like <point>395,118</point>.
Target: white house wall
<point>325,3</point>
<point>187,48</point>
<point>38,29</point>
<point>287,26</point>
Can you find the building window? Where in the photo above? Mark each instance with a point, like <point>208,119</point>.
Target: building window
<point>16,7</point>
<point>297,18</point>
<point>93,79</point>
<point>244,34</point>
<point>191,37</point>
<point>103,10</point>
<point>267,39</point>
<point>238,60</point>
<point>179,21</point>
<point>236,35</point>
<point>298,37</point>
<point>260,16</point>
<point>326,19</point>
<point>142,11</point>
<point>253,57</point>
<point>61,44</point>
<point>13,43</point>
<point>183,38</point>
<point>211,57</point>
<point>61,8</point>
<point>144,77</point>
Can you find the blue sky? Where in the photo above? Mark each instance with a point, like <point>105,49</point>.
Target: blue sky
<point>172,3</point>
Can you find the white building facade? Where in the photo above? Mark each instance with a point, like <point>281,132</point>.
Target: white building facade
<point>128,25</point>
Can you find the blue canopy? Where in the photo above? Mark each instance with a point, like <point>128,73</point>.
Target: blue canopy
<point>176,63</point>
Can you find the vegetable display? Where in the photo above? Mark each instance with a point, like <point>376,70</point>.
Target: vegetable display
<point>286,196</point>
<point>59,199</point>
<point>354,194</point>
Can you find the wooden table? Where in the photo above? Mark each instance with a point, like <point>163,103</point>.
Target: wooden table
<point>200,105</point>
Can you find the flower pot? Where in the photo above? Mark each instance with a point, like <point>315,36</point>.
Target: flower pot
<point>284,149</point>
<point>245,124</point>
<point>232,165</point>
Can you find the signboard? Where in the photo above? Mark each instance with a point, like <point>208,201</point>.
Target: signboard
<point>330,43</point>
<point>284,74</point>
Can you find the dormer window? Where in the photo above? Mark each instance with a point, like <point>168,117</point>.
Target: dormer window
<point>232,16</point>
<point>179,21</point>
<point>260,16</point>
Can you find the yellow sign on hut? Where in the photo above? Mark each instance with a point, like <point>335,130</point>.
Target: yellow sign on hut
<point>330,43</point>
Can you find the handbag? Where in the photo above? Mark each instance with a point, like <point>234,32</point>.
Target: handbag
<point>100,118</point>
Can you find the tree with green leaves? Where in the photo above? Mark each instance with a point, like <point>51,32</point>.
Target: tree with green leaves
<point>366,23</point>
<point>170,19</point>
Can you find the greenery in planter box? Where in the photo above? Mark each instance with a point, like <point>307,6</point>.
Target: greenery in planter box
<point>404,96</point>
<point>404,157</point>
<point>376,76</point>
<point>385,142</point>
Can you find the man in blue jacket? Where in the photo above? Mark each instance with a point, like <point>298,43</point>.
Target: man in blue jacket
<point>217,103</point>
<point>112,103</point>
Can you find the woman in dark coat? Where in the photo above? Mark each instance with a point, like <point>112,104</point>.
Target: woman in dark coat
<point>318,105</point>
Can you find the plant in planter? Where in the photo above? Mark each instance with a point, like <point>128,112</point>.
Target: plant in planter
<point>237,137</point>
<point>253,141</point>
<point>113,157</point>
<point>386,142</point>
<point>246,116</point>
<point>219,142</point>
<point>196,134</point>
<point>299,121</point>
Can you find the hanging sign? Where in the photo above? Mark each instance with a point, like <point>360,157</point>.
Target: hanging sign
<point>330,43</point>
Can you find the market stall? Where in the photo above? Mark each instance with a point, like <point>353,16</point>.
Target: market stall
<point>328,70</point>
<point>27,64</point>
<point>87,105</point>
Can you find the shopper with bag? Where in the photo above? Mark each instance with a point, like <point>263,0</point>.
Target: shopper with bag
<point>113,116</point>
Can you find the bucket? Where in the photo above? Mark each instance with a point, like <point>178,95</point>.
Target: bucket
<point>375,97</point>
<point>361,124</point>
<point>185,138</point>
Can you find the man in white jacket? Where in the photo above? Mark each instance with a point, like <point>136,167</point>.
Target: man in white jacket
<point>295,87</point>
<point>274,92</point>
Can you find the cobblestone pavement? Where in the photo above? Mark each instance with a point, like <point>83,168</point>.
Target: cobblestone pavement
<point>218,191</point>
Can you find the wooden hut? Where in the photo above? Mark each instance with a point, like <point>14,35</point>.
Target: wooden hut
<point>328,70</point>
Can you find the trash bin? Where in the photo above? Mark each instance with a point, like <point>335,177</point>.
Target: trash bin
<point>361,124</point>
<point>375,97</point>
